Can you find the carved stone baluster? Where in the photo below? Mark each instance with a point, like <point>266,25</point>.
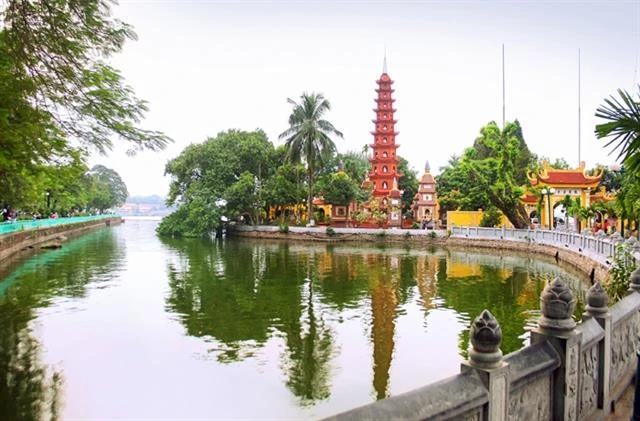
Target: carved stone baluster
<point>634,281</point>
<point>597,308</point>
<point>556,325</point>
<point>485,357</point>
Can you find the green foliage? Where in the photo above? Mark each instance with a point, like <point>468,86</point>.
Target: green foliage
<point>232,166</point>
<point>55,85</point>
<point>492,217</point>
<point>283,228</point>
<point>60,49</point>
<point>627,203</point>
<point>456,192</point>
<point>622,127</point>
<point>193,219</point>
<point>330,232</point>
<point>408,182</point>
<point>491,173</point>
<point>286,187</point>
<point>107,190</point>
<point>381,234</point>
<point>432,235</point>
<point>339,189</point>
<point>623,264</point>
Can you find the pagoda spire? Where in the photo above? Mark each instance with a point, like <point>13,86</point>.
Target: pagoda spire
<point>427,167</point>
<point>384,62</point>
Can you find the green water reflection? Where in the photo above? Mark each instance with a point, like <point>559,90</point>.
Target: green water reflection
<point>325,327</point>
<point>243,292</point>
<point>29,389</point>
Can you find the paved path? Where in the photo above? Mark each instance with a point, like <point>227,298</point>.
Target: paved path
<point>624,407</point>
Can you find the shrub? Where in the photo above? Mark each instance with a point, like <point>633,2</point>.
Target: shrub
<point>407,235</point>
<point>491,217</point>
<point>623,264</point>
<point>381,234</point>
<point>330,232</point>
<point>432,235</point>
<point>283,228</point>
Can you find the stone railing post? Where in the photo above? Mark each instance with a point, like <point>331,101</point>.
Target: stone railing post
<point>485,358</point>
<point>556,326</point>
<point>597,301</point>
<point>634,286</point>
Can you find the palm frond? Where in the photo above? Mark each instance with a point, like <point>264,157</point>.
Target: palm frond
<point>622,126</point>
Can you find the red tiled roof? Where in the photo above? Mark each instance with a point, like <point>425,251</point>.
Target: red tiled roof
<point>566,177</point>
<point>529,198</point>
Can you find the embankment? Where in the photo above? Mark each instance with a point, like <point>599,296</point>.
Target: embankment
<point>582,262</point>
<point>16,244</point>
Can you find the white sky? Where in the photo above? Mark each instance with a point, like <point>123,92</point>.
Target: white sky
<point>208,66</point>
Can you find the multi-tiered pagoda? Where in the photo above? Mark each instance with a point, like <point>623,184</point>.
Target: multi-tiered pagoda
<point>384,173</point>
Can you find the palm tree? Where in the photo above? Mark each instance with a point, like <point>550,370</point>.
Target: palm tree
<point>308,136</point>
<point>623,126</point>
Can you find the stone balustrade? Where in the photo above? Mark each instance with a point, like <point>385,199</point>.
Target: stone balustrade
<point>599,246</point>
<point>570,371</point>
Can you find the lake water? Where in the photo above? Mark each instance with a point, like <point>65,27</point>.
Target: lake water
<point>119,324</point>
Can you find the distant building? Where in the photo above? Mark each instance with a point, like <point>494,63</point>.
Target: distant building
<point>425,202</point>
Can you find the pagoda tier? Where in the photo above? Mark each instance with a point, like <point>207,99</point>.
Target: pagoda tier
<point>384,161</point>
<point>382,133</point>
<point>383,145</point>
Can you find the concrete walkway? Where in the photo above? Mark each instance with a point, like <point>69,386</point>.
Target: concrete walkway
<point>624,407</point>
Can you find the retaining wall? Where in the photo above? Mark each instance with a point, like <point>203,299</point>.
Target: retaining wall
<point>23,241</point>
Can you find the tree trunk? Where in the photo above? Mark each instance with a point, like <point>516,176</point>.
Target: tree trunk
<point>517,216</point>
<point>310,196</point>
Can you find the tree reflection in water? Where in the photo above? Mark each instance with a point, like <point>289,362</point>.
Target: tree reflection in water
<point>239,294</point>
<point>30,390</point>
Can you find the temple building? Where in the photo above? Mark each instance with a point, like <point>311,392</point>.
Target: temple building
<point>555,184</point>
<point>425,202</point>
<point>384,175</point>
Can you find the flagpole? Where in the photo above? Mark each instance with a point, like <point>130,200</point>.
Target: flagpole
<point>579,110</point>
<point>503,89</point>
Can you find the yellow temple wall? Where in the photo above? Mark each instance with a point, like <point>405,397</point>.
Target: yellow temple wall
<point>470,219</point>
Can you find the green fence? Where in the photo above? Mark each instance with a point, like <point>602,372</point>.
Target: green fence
<point>11,227</point>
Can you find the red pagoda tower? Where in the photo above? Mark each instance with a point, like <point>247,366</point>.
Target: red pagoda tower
<point>384,175</point>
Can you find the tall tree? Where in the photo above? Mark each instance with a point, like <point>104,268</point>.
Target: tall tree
<point>622,126</point>
<point>61,48</point>
<point>308,137</point>
<point>499,161</point>
<point>232,166</point>
<point>108,189</point>
<point>491,173</point>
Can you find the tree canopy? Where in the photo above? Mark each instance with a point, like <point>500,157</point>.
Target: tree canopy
<point>491,173</point>
<point>230,168</point>
<point>59,99</point>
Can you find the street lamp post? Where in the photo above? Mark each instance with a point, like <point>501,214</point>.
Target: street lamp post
<point>48,196</point>
<point>548,191</point>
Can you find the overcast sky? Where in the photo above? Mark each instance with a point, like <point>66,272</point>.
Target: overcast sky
<point>208,66</point>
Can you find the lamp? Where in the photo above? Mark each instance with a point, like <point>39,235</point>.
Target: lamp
<point>548,191</point>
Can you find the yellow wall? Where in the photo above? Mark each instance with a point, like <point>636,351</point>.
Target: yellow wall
<point>470,219</point>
